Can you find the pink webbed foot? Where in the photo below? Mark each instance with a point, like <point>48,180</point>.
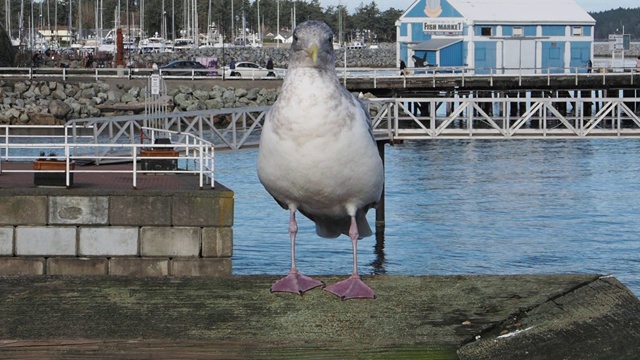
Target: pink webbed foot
<point>351,288</point>
<point>296,283</point>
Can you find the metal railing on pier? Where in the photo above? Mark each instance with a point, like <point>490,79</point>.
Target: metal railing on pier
<point>495,118</point>
<point>231,128</point>
<point>406,118</point>
<point>426,74</point>
<point>191,155</point>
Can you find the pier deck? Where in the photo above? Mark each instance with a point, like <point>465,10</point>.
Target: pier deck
<point>441,317</point>
<point>108,179</point>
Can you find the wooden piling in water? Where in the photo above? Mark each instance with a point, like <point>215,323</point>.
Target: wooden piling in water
<point>380,216</point>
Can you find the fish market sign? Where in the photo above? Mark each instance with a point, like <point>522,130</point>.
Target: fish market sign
<point>442,27</point>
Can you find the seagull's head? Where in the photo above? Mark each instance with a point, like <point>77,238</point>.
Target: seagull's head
<point>312,46</point>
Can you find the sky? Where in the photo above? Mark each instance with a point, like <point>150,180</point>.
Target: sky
<point>588,5</point>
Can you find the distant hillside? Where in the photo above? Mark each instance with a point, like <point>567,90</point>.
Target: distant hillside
<point>611,22</point>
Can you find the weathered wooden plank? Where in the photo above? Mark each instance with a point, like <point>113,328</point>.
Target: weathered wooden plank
<point>597,321</point>
<point>45,317</point>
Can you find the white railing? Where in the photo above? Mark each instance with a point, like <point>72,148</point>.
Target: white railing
<point>345,74</point>
<point>516,118</point>
<point>231,128</point>
<point>191,154</point>
<point>407,118</point>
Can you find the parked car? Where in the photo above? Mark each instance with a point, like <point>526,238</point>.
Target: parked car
<point>184,68</point>
<point>247,69</point>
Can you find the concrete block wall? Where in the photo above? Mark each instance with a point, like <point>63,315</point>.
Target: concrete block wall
<point>135,233</point>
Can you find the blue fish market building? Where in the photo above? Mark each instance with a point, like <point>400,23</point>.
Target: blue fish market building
<point>499,36</point>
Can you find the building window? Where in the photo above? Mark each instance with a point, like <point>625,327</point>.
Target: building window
<point>576,31</point>
<point>486,31</point>
<point>518,31</point>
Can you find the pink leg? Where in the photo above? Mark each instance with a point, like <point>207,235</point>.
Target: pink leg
<point>294,282</point>
<point>353,287</point>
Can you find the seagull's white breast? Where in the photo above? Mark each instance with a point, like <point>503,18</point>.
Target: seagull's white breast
<point>316,150</point>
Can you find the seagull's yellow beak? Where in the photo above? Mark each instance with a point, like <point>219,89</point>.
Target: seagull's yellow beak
<point>312,52</point>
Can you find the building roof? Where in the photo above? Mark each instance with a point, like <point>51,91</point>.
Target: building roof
<point>435,44</point>
<point>506,11</point>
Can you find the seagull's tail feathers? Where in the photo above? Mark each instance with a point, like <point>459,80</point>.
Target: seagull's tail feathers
<point>328,227</point>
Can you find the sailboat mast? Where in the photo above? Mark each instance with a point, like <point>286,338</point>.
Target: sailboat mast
<point>196,32</point>
<point>97,16</point>
<point>21,23</point>
<point>173,20</point>
<point>79,21</point>
<point>340,24</point>
<point>209,25</point>
<point>233,23</point>
<point>7,17</point>
<point>259,23</point>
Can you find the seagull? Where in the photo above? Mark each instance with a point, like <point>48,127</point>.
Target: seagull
<point>318,156</point>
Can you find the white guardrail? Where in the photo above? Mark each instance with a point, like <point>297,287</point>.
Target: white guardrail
<point>193,155</point>
<point>343,73</point>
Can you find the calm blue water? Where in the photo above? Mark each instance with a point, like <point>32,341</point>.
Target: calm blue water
<point>466,207</point>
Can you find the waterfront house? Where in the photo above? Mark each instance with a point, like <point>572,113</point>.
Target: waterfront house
<point>503,36</point>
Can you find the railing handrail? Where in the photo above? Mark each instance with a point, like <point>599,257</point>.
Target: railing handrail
<point>349,72</point>
<point>396,120</point>
<point>190,147</point>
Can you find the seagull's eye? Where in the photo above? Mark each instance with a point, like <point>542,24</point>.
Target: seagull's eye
<point>330,40</point>
<point>295,37</point>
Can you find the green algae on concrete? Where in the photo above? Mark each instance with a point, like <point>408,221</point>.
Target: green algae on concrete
<point>434,315</point>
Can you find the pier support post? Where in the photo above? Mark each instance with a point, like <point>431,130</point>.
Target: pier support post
<point>380,208</point>
<point>587,106</point>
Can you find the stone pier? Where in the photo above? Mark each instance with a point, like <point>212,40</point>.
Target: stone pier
<point>96,228</point>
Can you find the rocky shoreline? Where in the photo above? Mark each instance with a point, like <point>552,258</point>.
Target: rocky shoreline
<point>53,102</point>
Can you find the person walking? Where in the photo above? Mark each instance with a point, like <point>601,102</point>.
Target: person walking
<point>589,66</point>
<point>270,67</point>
